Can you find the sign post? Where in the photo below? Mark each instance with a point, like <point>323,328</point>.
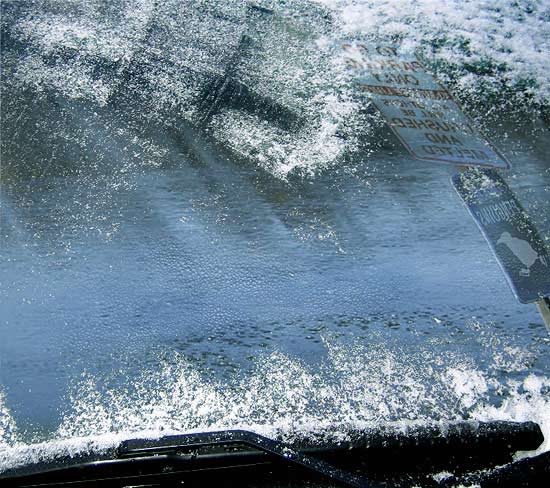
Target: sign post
<point>432,127</point>
<point>544,309</point>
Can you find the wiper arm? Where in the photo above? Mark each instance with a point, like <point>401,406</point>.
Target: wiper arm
<point>246,438</point>
<point>221,456</point>
<point>173,455</point>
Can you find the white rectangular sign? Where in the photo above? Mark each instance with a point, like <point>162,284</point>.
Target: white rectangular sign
<point>421,112</point>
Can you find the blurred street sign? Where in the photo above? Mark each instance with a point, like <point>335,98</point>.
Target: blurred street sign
<point>421,113</point>
<point>515,241</point>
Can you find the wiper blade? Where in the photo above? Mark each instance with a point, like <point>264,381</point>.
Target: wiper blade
<point>177,452</point>
<point>250,439</point>
<point>217,457</point>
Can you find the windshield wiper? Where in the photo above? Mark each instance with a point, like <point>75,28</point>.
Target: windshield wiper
<point>214,458</point>
<point>175,455</point>
<point>229,438</point>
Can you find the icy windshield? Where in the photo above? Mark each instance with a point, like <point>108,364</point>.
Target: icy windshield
<point>212,217</point>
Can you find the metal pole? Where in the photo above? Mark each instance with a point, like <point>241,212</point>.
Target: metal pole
<point>544,309</point>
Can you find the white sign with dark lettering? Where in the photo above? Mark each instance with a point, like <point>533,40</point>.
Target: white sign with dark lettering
<point>421,112</point>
